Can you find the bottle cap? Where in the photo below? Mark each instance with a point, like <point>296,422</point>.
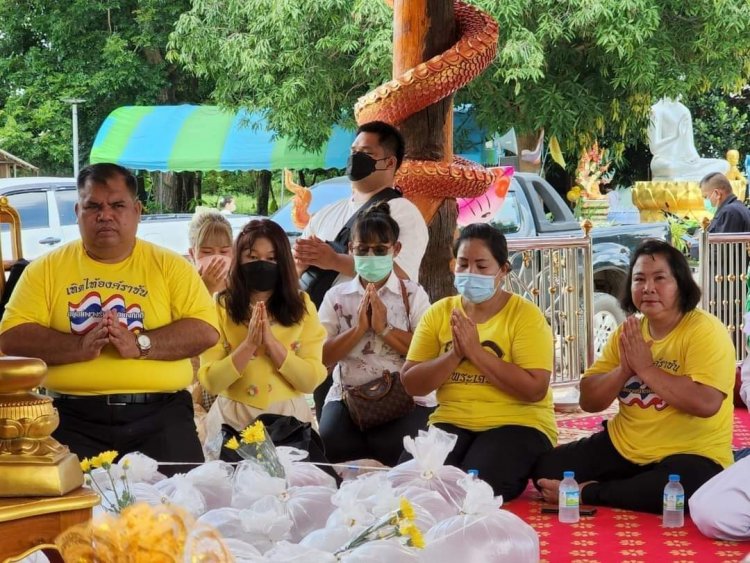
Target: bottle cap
<point>674,477</point>
<point>569,474</point>
<point>473,472</point>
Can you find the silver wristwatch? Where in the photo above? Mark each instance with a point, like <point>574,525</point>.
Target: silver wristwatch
<point>143,342</point>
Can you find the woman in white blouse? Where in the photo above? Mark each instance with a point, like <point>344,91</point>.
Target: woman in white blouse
<point>369,331</point>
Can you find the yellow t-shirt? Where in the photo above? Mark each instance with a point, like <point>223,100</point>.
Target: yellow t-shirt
<point>260,384</point>
<point>646,429</point>
<point>67,291</point>
<point>519,334</point>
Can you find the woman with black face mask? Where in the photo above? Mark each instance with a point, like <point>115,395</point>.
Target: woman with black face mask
<point>271,346</point>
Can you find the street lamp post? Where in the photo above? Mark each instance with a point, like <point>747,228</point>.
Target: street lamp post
<point>74,106</point>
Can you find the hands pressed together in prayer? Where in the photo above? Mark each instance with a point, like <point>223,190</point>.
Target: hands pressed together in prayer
<point>259,332</point>
<point>372,312</point>
<point>466,343</point>
<point>635,352</point>
<point>109,330</point>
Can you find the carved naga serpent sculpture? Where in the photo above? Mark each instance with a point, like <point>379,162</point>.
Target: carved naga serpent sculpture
<point>427,84</point>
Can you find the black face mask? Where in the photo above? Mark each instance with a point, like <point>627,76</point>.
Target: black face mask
<point>260,275</point>
<point>360,165</point>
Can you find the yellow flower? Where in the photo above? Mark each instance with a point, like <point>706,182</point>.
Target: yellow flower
<point>232,443</point>
<point>105,459</point>
<point>406,510</point>
<point>86,465</point>
<point>254,433</point>
<point>126,464</point>
<point>412,532</point>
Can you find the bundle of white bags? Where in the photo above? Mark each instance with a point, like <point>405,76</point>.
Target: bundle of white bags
<point>305,517</point>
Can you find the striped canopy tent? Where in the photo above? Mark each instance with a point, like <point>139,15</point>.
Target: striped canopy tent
<point>192,138</point>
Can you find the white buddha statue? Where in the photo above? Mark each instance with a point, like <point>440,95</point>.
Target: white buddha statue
<point>670,138</point>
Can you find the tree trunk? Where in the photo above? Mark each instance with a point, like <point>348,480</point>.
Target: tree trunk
<point>436,273</point>
<point>262,189</point>
<point>421,30</point>
<point>174,191</point>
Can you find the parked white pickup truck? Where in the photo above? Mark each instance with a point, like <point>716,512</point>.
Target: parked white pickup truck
<point>48,220</point>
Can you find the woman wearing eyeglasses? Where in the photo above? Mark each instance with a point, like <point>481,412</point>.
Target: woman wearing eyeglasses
<point>369,321</point>
<point>269,353</point>
<point>488,353</point>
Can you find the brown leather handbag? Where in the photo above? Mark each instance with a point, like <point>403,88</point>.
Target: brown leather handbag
<point>380,400</point>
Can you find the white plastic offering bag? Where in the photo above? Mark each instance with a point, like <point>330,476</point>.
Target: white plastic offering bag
<point>261,528</point>
<point>300,473</point>
<point>482,532</point>
<point>382,550</point>
<point>214,481</point>
<point>307,507</point>
<point>428,470</point>
<point>180,491</point>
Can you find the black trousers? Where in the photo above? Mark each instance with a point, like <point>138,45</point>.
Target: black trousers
<point>320,393</point>
<point>622,483</point>
<point>344,441</point>
<point>164,431</point>
<point>504,456</point>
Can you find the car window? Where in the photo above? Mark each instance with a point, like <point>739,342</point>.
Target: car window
<point>32,207</point>
<point>66,201</point>
<point>508,219</point>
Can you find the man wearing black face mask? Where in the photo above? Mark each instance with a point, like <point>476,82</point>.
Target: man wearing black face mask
<point>376,155</point>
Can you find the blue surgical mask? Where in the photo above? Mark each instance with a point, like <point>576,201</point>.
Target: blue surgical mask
<point>373,268</point>
<point>710,207</point>
<point>476,288</point>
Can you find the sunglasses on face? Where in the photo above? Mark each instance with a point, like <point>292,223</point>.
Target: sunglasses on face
<point>376,249</point>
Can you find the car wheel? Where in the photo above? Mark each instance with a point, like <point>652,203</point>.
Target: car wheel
<point>607,317</point>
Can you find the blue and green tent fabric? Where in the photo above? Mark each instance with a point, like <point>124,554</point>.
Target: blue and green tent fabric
<point>192,138</point>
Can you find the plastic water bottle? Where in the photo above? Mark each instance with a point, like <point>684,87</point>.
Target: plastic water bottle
<point>673,515</point>
<point>569,499</point>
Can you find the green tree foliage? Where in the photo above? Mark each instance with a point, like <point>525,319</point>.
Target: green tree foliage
<point>109,52</point>
<point>578,68</point>
<point>720,123</point>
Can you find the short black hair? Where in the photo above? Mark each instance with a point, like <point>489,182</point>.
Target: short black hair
<point>717,181</point>
<point>389,138</point>
<point>101,172</point>
<point>492,238</point>
<point>690,293</point>
<point>376,224</point>
<point>225,200</point>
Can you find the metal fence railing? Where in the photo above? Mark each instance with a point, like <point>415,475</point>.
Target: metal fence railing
<point>722,269</point>
<point>557,275</point>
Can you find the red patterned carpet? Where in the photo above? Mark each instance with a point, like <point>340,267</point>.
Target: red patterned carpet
<point>619,535</point>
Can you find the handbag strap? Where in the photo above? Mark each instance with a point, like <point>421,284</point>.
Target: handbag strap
<point>406,304</point>
<point>387,194</point>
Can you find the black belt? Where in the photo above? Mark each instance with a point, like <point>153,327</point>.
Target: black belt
<point>117,399</point>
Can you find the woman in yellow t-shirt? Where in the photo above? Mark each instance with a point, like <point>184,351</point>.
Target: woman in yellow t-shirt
<point>271,346</point>
<point>672,372</point>
<point>488,353</point>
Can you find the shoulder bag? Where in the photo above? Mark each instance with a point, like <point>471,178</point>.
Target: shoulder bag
<point>383,399</point>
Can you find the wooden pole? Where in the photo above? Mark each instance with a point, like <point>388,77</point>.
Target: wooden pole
<point>421,30</point>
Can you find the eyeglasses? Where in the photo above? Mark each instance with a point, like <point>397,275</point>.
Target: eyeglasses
<point>376,249</point>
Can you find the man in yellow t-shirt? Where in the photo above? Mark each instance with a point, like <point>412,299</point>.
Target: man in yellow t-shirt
<point>116,319</point>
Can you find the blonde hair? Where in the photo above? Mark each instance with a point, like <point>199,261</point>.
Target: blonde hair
<point>207,225</point>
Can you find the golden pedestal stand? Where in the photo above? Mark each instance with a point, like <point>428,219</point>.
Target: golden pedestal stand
<point>32,463</point>
<point>684,199</point>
